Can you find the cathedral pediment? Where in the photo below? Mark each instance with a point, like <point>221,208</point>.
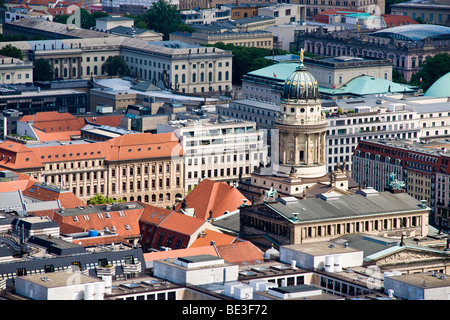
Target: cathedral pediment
<point>409,255</point>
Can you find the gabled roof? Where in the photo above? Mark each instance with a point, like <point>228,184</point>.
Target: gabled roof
<point>214,196</point>
<point>40,192</point>
<point>144,145</point>
<point>240,252</point>
<point>125,223</point>
<point>393,20</point>
<point>211,235</point>
<point>22,182</point>
<point>15,155</point>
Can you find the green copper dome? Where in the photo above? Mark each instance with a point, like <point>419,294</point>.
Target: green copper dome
<point>300,85</point>
<point>440,88</point>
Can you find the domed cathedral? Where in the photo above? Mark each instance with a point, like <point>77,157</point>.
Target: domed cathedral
<point>302,126</point>
<point>298,164</point>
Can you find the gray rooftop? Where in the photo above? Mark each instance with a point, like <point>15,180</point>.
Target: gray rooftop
<point>354,205</point>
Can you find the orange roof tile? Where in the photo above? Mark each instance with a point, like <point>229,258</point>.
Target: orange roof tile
<point>54,121</point>
<point>144,145</point>
<point>99,220</point>
<point>15,156</point>
<point>23,182</point>
<point>112,121</point>
<point>178,253</point>
<point>153,215</point>
<point>393,20</point>
<point>56,136</point>
<point>182,224</point>
<point>240,252</point>
<point>218,197</point>
<point>211,235</point>
<point>66,198</point>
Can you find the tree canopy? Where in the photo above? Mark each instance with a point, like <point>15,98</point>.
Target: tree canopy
<point>42,70</point>
<point>99,199</point>
<point>162,17</point>
<point>10,51</point>
<point>247,59</point>
<point>116,66</point>
<point>432,69</point>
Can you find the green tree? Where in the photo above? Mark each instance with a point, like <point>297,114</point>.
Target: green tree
<point>432,69</point>
<point>100,199</point>
<point>162,17</point>
<point>115,66</point>
<point>42,70</point>
<point>87,19</point>
<point>61,18</point>
<point>397,77</point>
<point>247,59</point>
<point>10,51</point>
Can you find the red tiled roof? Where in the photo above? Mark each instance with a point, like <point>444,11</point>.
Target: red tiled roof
<point>182,224</point>
<point>66,198</point>
<point>15,156</point>
<point>393,20</point>
<point>99,220</point>
<point>178,253</point>
<point>240,252</point>
<point>23,182</point>
<point>56,136</point>
<point>323,17</point>
<point>212,195</point>
<point>112,121</point>
<point>54,121</point>
<point>211,235</point>
<point>144,145</point>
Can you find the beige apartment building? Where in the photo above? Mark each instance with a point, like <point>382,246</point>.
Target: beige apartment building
<point>177,65</point>
<point>255,39</point>
<point>143,167</point>
<point>13,71</point>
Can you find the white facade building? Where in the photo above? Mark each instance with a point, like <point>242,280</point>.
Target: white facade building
<point>205,16</point>
<point>284,13</point>
<point>60,286</point>
<point>196,270</point>
<point>220,149</point>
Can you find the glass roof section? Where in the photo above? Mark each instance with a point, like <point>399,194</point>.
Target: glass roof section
<point>415,32</point>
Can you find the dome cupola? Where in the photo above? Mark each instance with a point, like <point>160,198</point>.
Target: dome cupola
<point>300,85</point>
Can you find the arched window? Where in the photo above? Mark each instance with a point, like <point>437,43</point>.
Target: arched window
<point>227,75</point>
<point>194,77</point>
<point>210,76</point>
<point>219,76</point>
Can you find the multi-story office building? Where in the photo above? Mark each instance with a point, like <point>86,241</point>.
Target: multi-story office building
<point>143,167</point>
<point>421,166</point>
<point>13,70</point>
<point>429,11</point>
<point>218,148</point>
<point>30,102</point>
<point>177,65</point>
<point>205,16</point>
<point>284,13</point>
<point>348,122</point>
